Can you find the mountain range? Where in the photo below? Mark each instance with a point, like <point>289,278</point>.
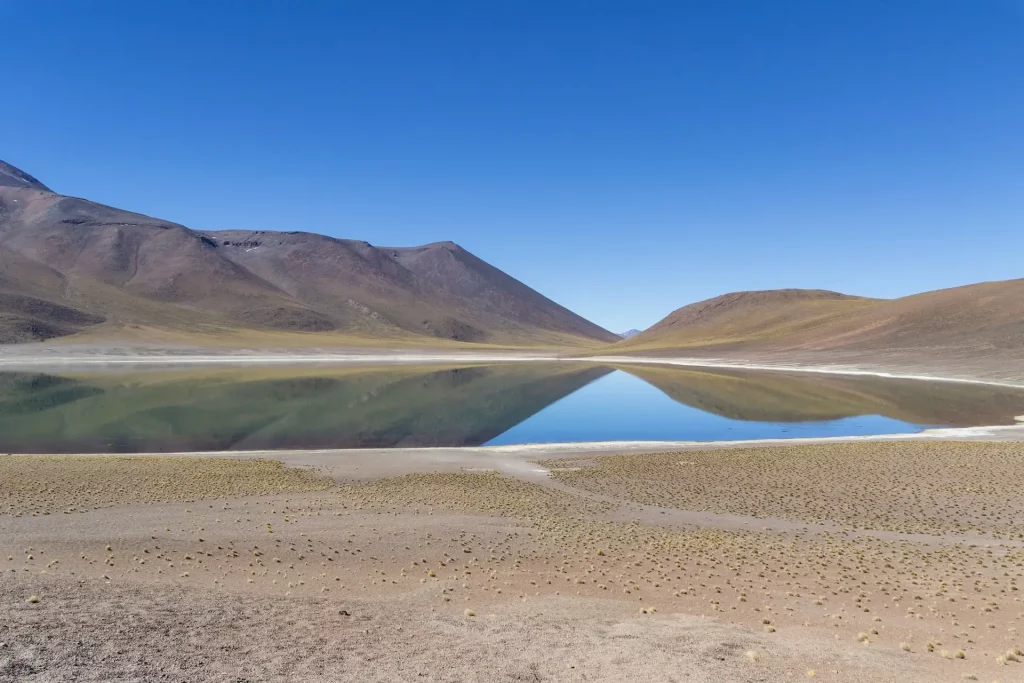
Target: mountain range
<point>69,265</point>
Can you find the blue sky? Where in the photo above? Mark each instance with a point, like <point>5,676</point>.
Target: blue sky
<point>623,158</point>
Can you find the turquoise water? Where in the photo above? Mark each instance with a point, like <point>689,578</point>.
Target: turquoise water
<point>259,407</point>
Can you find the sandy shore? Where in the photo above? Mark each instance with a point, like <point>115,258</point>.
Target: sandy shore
<point>983,369</point>
<point>937,375</point>
<point>395,358</point>
<point>857,560</point>
<point>989,365</point>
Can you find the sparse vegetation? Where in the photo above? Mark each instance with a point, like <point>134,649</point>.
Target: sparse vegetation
<point>455,539</point>
<point>46,484</point>
<point>905,487</point>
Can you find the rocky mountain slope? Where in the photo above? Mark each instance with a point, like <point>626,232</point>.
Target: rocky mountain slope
<point>68,264</point>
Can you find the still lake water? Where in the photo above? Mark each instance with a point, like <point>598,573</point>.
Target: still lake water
<point>271,407</point>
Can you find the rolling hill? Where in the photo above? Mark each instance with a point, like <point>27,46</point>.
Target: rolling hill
<point>963,321</point>
<point>69,265</point>
<point>743,319</point>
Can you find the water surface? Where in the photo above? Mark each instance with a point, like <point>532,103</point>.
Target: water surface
<point>259,407</point>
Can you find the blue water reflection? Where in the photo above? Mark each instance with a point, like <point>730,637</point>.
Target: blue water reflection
<point>621,407</point>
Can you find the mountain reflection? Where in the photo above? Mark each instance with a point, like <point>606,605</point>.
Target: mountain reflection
<point>256,408</point>
<point>769,396</point>
<point>274,408</point>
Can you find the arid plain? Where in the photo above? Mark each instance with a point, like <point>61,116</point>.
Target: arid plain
<point>839,561</point>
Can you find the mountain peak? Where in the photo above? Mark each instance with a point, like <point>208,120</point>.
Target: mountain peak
<point>10,176</point>
<point>447,245</point>
<point>167,275</point>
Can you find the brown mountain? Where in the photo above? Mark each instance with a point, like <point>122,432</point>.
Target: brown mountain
<point>975,318</point>
<point>742,319</point>
<point>68,264</point>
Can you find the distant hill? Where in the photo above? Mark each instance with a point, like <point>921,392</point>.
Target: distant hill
<point>629,333</point>
<point>743,319</point>
<point>971,320</point>
<point>68,265</point>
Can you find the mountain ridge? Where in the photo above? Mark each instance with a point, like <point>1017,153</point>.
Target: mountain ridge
<point>120,269</point>
<point>966,319</point>
<point>12,176</point>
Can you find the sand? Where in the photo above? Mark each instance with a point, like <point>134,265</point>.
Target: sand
<point>587,567</point>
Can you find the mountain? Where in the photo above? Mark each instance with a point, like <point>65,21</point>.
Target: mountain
<point>68,264</point>
<point>974,321</point>
<point>744,319</point>
<point>15,177</point>
<point>629,333</point>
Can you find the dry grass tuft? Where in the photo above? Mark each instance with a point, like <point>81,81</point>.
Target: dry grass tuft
<point>910,487</point>
<point>31,484</point>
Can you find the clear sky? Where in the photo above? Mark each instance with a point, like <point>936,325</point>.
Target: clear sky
<point>623,158</point>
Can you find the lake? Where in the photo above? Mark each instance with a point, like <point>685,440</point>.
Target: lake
<point>271,407</point>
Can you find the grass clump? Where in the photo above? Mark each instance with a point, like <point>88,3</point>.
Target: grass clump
<point>33,484</point>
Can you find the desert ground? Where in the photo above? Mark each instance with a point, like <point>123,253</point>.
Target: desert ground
<point>840,560</point>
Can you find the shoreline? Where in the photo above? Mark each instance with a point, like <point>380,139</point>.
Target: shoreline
<point>809,369</point>
<point>16,361</point>
<point>326,359</point>
<point>1007,433</point>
